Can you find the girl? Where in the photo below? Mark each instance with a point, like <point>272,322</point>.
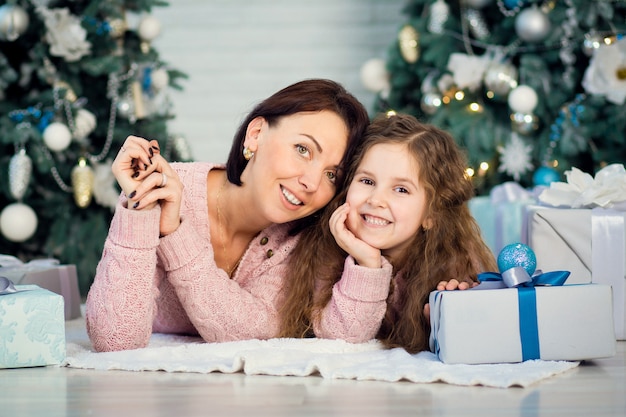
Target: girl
<point>402,226</point>
<point>200,248</point>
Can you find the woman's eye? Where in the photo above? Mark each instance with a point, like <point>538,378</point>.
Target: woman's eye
<point>331,175</point>
<point>302,150</point>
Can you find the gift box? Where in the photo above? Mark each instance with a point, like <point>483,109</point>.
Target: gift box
<point>590,242</point>
<point>506,325</point>
<point>581,225</point>
<point>501,214</point>
<point>48,274</point>
<point>32,328</point>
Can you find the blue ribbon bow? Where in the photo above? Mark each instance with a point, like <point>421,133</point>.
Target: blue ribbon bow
<point>519,278</point>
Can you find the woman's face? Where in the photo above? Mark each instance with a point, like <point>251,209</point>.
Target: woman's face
<point>387,200</point>
<point>293,170</point>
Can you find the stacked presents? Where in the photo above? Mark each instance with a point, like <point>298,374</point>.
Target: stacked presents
<point>572,231</point>
<point>35,300</point>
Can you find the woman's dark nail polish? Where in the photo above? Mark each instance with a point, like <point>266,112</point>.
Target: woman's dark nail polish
<point>156,148</point>
<point>136,204</point>
<point>131,195</point>
<point>151,152</point>
<point>136,174</point>
<point>145,166</point>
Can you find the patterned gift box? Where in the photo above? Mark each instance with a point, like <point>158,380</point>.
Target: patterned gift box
<point>507,325</point>
<point>32,328</point>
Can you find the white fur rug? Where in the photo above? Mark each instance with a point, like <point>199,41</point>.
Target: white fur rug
<point>301,357</point>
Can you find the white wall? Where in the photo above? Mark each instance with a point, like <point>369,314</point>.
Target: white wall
<point>237,52</point>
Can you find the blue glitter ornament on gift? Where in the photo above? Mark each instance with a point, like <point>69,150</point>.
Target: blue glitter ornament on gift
<point>517,255</point>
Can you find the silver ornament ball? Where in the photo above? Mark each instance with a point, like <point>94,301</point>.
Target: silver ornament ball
<point>430,103</point>
<point>501,78</point>
<point>13,22</point>
<point>524,124</point>
<point>20,169</point>
<point>532,25</point>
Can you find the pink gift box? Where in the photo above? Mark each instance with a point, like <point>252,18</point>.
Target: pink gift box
<point>47,274</point>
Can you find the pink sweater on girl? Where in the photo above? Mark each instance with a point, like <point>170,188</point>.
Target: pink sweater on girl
<point>147,284</point>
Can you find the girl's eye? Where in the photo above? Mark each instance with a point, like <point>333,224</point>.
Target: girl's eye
<point>366,181</point>
<point>302,150</point>
<point>332,176</point>
<point>402,190</point>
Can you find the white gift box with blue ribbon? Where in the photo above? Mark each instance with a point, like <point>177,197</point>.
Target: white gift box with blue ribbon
<point>493,323</point>
<point>32,327</point>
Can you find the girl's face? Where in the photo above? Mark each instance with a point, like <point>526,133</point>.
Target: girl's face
<point>387,201</point>
<point>292,173</point>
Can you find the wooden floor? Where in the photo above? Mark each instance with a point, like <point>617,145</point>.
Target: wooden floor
<point>595,389</point>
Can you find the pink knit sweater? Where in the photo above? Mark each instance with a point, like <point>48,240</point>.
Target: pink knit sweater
<point>148,284</point>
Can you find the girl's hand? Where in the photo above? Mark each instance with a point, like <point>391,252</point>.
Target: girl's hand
<point>148,179</point>
<point>363,254</point>
<point>454,284</point>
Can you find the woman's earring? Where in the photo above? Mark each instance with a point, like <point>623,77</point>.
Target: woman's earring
<point>247,153</point>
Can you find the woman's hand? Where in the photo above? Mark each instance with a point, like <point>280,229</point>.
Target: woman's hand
<point>363,254</point>
<point>147,179</point>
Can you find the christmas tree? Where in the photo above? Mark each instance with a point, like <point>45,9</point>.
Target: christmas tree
<point>530,88</point>
<point>76,78</point>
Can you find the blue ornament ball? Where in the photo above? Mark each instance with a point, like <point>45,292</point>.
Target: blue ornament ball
<point>517,254</point>
<point>545,176</point>
<point>512,4</point>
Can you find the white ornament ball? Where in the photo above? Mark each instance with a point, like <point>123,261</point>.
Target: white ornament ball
<point>149,28</point>
<point>523,99</point>
<point>374,75</point>
<point>160,79</point>
<point>13,22</point>
<point>57,136</point>
<point>18,222</point>
<point>532,25</point>
<point>85,122</point>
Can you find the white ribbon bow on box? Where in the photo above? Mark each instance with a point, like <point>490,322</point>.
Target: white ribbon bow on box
<point>606,190</point>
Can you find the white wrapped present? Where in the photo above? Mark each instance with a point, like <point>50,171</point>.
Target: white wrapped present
<point>583,230</point>
<point>496,324</point>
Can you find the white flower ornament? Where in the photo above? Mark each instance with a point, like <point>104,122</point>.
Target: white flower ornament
<point>606,73</point>
<point>66,36</point>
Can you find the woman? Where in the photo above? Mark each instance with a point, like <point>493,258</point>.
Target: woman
<point>202,249</point>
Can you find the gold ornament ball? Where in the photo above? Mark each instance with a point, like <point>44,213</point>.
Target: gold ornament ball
<point>408,41</point>
<point>82,183</point>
